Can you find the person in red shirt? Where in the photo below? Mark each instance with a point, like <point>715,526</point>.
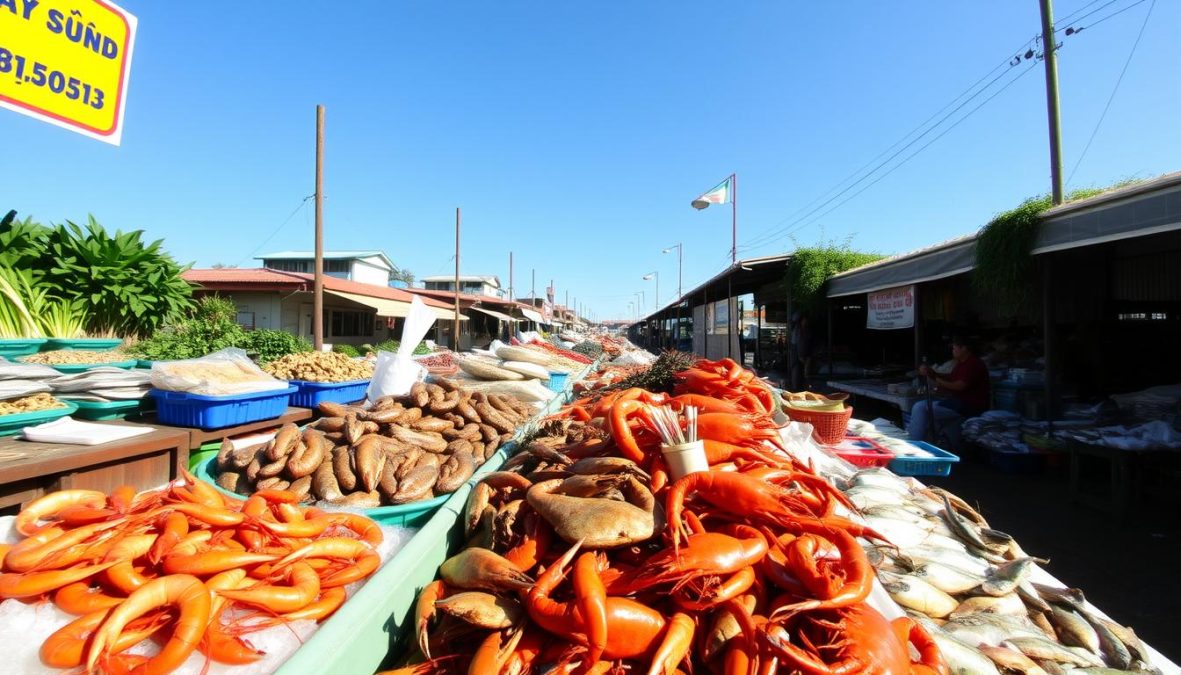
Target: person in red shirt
<point>962,393</point>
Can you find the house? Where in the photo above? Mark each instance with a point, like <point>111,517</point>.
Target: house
<point>485,285</point>
<point>489,317</point>
<point>366,267</point>
<point>354,312</point>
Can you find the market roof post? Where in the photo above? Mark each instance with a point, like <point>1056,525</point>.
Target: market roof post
<point>70,62</point>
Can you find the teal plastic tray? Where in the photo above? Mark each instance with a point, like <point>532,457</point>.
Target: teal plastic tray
<point>404,515</point>
<point>92,344</point>
<point>105,410</point>
<point>82,367</point>
<point>372,628</point>
<point>12,424</point>
<point>12,348</point>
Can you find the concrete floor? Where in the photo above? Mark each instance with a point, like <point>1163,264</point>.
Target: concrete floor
<point>1129,568</point>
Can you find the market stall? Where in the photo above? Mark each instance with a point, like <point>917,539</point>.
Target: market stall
<point>672,607</point>
<point>30,469</point>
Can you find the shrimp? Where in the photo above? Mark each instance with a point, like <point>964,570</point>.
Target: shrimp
<point>303,589</point>
<point>186,592</point>
<point>48,506</point>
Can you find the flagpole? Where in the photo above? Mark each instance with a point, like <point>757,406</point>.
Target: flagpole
<point>734,219</point>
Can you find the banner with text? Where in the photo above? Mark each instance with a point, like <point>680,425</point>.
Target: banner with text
<point>67,62</point>
<point>890,309</point>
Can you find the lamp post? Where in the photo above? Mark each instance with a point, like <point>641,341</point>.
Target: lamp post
<point>649,277</point>
<point>680,252</point>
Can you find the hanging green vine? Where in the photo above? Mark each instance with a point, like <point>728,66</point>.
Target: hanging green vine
<point>811,266</point>
<point>1004,266</point>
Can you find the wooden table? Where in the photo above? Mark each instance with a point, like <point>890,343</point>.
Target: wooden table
<point>876,389</point>
<point>199,437</point>
<point>29,469</point>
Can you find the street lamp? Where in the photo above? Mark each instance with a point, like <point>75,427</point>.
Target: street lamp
<point>649,277</point>
<point>679,252</point>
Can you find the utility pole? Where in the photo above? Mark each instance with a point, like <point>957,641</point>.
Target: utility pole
<point>533,289</point>
<point>318,266</point>
<point>1051,59</point>
<point>455,321</point>
<point>511,298</point>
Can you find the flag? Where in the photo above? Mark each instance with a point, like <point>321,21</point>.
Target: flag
<point>721,194</point>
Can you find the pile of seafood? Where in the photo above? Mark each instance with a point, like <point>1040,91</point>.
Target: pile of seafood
<point>973,588</point>
<point>583,555</point>
<point>63,357</point>
<point>319,367</point>
<point>28,404</point>
<point>175,565</point>
<point>402,449</point>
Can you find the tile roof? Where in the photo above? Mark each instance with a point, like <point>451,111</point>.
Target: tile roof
<point>261,277</point>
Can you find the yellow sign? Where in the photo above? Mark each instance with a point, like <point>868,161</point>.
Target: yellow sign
<point>67,62</point>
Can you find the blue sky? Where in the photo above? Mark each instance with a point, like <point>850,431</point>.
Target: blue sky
<point>575,133</point>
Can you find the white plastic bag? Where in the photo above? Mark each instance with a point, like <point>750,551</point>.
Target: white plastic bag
<point>222,373</point>
<point>397,372</point>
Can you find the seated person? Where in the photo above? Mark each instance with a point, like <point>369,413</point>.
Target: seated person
<point>962,393</point>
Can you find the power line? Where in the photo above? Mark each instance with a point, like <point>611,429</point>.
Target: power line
<point>757,241</point>
<point>916,152</point>
<point>924,123</point>
<point>1066,18</point>
<point>1114,89</point>
<point>271,236</point>
<point>1115,13</point>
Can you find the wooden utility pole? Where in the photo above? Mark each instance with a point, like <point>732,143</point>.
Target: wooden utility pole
<point>1051,60</point>
<point>455,321</point>
<point>318,267</point>
<point>511,298</point>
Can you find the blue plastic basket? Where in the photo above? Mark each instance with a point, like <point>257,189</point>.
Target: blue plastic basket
<point>557,381</point>
<point>182,409</point>
<point>938,465</point>
<point>312,394</point>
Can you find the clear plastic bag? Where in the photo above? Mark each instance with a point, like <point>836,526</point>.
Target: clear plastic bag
<point>396,372</point>
<point>222,373</point>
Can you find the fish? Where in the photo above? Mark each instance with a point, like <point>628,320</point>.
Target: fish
<point>899,532</point>
<point>989,604</point>
<point>1073,630</point>
<point>990,629</point>
<point>955,557</point>
<point>1012,659</point>
<point>915,593</point>
<point>882,479</point>
<point>1111,648</point>
<point>946,578</point>
<point>1005,578</point>
<point>1042,649</point>
<point>962,659</point>
<point>965,529</point>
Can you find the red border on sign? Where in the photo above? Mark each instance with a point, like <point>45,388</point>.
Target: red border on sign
<point>118,96</point>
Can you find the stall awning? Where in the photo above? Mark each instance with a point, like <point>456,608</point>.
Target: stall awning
<point>533,315</point>
<point>1134,211</point>
<point>945,259</point>
<point>390,308</point>
<point>494,313</point>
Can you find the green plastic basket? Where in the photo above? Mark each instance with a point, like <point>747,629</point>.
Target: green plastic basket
<point>405,515</point>
<point>91,344</point>
<point>105,410</point>
<point>13,424</point>
<point>12,348</point>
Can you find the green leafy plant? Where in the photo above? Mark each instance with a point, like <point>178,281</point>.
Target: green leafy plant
<point>348,350</point>
<point>17,319</point>
<point>63,318</point>
<point>1004,264</point>
<point>266,345</point>
<point>392,346</point>
<point>811,266</point>
<point>130,287</point>
<point>210,328</point>
<point>23,244</point>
